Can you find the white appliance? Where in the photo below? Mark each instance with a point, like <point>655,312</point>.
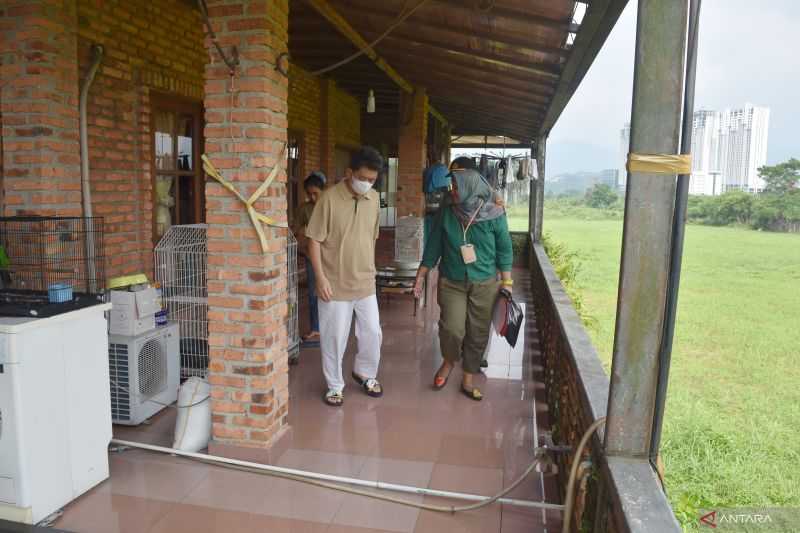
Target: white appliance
<point>144,372</point>
<point>55,416</point>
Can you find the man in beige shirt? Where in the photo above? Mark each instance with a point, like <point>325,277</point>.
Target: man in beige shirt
<point>342,233</point>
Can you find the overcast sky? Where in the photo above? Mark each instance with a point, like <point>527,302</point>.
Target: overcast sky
<point>747,53</point>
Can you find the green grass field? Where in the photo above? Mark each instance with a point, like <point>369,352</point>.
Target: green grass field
<point>732,424</point>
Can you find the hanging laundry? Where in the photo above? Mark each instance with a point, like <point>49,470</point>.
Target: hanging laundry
<point>483,166</point>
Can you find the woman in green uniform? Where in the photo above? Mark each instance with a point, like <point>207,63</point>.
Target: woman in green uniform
<point>470,241</point>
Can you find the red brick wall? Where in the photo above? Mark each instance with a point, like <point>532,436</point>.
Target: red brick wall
<point>247,288</point>
<point>345,112</point>
<point>305,116</point>
<point>326,116</point>
<point>340,125</point>
<point>39,104</point>
<point>412,155</point>
<point>142,56</point>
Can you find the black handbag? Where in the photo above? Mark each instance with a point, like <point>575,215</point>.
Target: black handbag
<point>507,317</point>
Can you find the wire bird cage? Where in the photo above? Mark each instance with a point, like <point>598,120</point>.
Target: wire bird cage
<point>181,267</point>
<point>293,318</point>
<point>40,253</point>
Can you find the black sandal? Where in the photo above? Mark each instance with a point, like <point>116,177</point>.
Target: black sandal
<point>372,387</point>
<point>473,394</point>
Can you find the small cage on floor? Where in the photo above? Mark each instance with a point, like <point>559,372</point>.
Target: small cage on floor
<point>181,267</point>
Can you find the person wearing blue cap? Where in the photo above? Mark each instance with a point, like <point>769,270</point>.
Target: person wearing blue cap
<point>436,182</point>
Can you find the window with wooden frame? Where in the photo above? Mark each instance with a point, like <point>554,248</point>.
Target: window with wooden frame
<point>178,185</point>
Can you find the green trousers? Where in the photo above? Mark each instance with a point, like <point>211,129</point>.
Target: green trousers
<point>465,320</point>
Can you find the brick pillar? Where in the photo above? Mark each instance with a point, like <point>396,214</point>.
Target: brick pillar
<point>39,101</point>
<point>412,153</point>
<point>247,288</point>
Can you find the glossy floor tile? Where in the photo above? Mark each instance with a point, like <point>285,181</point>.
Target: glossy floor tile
<point>413,435</point>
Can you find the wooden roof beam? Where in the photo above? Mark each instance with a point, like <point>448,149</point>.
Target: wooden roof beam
<point>425,71</point>
<point>482,56</point>
<point>325,9</point>
<point>421,21</point>
<point>500,14</point>
<point>438,84</point>
<point>434,57</point>
<point>538,68</point>
<point>475,117</point>
<point>463,117</point>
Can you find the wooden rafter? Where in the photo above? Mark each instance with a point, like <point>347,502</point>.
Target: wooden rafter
<point>385,16</point>
<point>340,23</point>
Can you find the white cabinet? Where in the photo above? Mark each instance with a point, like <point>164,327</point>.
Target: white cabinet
<point>55,414</point>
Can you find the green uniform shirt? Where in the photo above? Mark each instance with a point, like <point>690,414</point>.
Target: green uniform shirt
<point>490,239</point>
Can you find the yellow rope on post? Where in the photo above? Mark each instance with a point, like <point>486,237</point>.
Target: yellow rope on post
<point>660,163</point>
<point>256,218</point>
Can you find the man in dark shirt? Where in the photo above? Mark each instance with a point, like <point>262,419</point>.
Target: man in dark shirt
<point>313,186</point>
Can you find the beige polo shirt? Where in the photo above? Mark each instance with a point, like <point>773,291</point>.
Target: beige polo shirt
<point>346,226</point>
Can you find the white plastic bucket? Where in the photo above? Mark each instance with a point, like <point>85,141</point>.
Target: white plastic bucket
<point>193,425</point>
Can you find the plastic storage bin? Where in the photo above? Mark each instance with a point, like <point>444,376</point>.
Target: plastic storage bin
<point>59,293</point>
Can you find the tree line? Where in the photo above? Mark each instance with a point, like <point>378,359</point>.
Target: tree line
<point>777,208</point>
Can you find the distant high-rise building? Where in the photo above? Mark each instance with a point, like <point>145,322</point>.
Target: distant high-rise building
<point>609,177</point>
<point>743,147</point>
<point>624,146</point>
<point>728,148</point>
<point>705,153</point>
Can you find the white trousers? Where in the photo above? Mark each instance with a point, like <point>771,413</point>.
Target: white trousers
<point>335,318</point>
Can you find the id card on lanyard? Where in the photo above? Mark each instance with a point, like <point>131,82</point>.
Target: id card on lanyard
<point>468,253</point>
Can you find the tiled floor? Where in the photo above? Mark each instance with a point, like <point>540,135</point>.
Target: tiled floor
<point>413,436</point>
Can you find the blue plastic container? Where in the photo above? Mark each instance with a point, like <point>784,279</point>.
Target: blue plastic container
<point>59,293</point>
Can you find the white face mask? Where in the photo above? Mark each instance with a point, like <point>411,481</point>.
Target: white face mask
<point>360,187</point>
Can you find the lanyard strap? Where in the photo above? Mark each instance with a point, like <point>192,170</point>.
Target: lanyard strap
<point>471,220</point>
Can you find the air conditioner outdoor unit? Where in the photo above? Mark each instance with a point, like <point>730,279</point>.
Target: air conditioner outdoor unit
<point>144,372</point>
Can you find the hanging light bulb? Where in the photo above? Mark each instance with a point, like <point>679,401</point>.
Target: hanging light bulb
<point>371,102</point>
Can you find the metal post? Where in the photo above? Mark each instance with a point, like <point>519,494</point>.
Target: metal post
<point>532,197</point>
<point>647,235</point>
<point>537,201</point>
<point>678,231</point>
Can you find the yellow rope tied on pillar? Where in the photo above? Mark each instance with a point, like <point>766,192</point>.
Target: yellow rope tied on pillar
<point>256,217</point>
<point>660,163</point>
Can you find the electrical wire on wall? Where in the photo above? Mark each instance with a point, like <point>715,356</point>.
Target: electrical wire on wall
<point>233,61</point>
